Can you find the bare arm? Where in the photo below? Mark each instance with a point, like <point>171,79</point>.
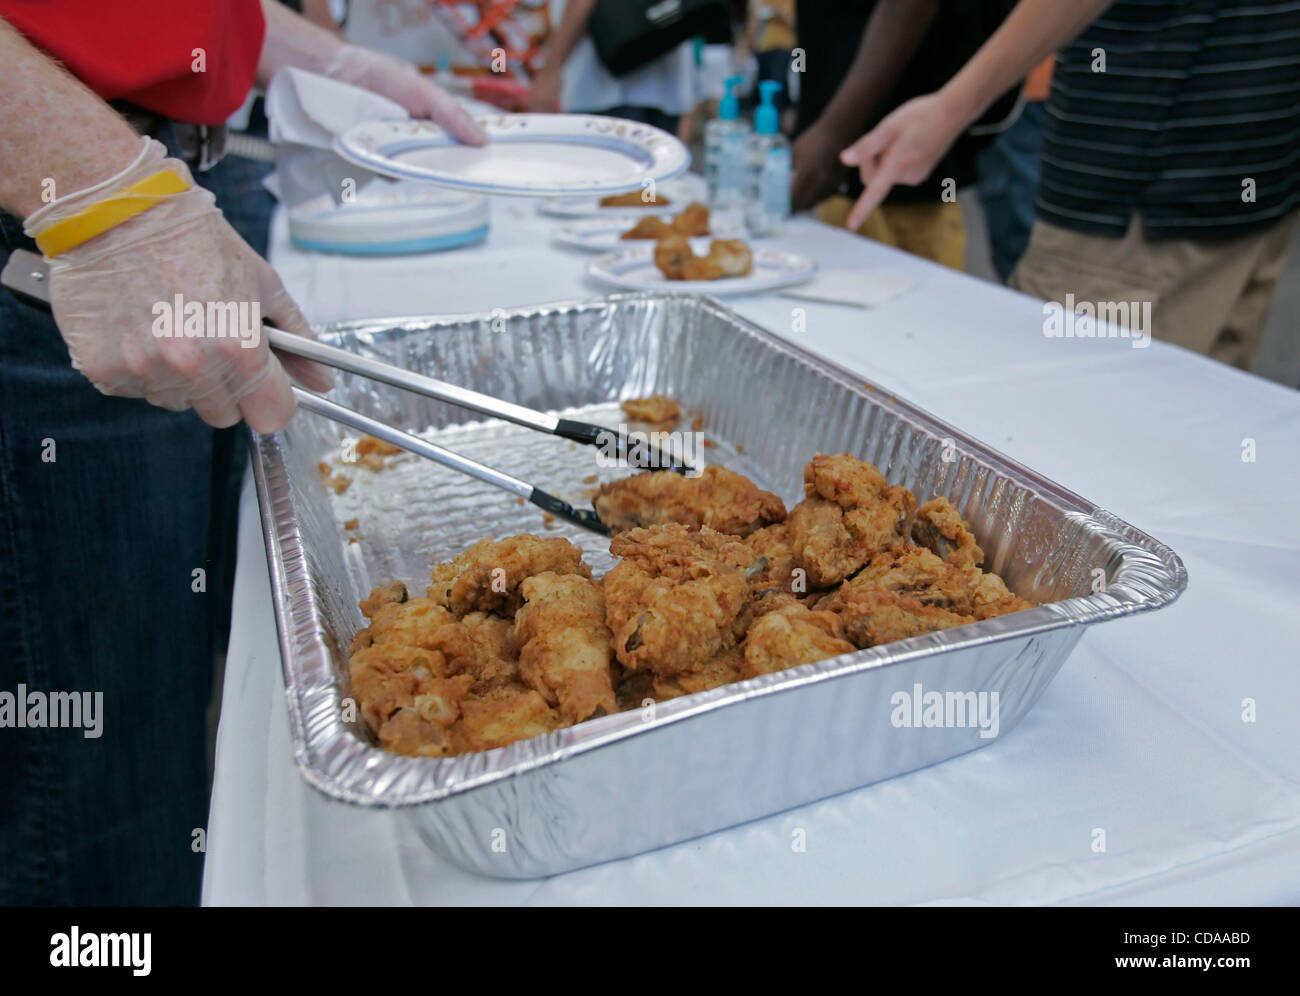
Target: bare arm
<point>907,144</point>
<point>573,25</point>
<point>52,126</point>
<point>1032,31</point>
<point>893,34</point>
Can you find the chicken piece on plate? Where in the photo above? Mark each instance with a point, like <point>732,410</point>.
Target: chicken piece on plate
<point>702,268</point>
<point>872,616</point>
<point>565,648</point>
<point>657,408</point>
<point>940,528</point>
<point>692,220</point>
<point>733,256</point>
<point>718,498</point>
<point>786,633</point>
<point>850,514</point>
<point>671,254</point>
<point>676,598</point>
<point>487,576</point>
<point>648,228</point>
<point>634,198</point>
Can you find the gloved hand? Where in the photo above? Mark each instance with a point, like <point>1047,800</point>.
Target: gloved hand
<point>111,294</point>
<point>401,82</point>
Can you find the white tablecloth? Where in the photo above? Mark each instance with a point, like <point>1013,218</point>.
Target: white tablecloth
<point>1141,735</point>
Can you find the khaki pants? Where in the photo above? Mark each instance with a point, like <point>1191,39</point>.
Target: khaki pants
<point>1210,297</point>
<point>933,230</point>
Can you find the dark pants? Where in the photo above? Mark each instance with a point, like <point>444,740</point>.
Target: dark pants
<point>108,508</point>
<point>1008,185</point>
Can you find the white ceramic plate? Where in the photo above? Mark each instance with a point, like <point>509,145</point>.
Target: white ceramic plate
<point>634,269</point>
<point>528,154</point>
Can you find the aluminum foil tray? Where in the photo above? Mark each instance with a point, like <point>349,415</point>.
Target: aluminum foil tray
<point>627,783</point>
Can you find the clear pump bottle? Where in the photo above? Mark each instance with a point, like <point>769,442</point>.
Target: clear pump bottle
<point>767,167</point>
<point>725,141</point>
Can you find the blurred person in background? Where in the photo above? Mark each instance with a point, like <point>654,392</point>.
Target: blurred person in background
<point>772,34</point>
<point>864,58</point>
<point>1169,157</point>
<point>1007,170</point>
<point>112,482</point>
<point>574,79</point>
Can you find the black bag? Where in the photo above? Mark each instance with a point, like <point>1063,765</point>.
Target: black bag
<point>629,34</point>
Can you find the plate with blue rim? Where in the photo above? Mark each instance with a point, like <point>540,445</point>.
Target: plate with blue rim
<point>537,155</point>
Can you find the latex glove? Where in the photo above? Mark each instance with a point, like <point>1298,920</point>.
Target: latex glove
<point>109,296</point>
<point>818,171</point>
<point>904,148</point>
<point>401,82</point>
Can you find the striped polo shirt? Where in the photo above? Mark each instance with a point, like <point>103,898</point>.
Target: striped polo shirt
<point>1194,122</point>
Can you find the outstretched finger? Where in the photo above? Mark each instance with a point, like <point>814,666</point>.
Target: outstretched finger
<point>873,195</point>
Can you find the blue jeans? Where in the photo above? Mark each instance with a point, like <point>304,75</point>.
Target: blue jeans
<point>108,507</point>
<point>1008,184</point>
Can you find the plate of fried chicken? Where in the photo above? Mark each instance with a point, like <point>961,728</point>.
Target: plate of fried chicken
<point>714,583</point>
<point>716,266</point>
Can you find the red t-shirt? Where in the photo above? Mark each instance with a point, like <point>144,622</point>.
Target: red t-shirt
<point>144,51</point>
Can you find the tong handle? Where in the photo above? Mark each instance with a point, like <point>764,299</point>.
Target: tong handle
<point>422,447</point>
<point>364,366</point>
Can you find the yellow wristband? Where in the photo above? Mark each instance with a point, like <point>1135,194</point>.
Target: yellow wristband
<point>99,217</point>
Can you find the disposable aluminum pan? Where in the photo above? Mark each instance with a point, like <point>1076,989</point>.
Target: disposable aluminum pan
<point>627,783</point>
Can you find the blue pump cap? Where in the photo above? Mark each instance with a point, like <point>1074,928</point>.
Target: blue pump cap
<point>729,106</point>
<point>766,120</point>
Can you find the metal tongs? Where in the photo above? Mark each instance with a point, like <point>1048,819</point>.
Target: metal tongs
<point>27,275</point>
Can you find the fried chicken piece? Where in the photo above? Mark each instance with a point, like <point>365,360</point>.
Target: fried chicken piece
<point>726,258</point>
<point>773,567</point>
<point>788,633</point>
<point>511,713</point>
<point>648,228</point>
<point>992,597</point>
<point>719,498</point>
<point>701,268</point>
<point>940,528</point>
<point>662,411</point>
<point>486,577</point>
<point>850,514</point>
<point>564,645</point>
<point>410,669</point>
<point>497,660</point>
<point>633,198</point>
<point>872,616</point>
<point>693,220</point>
<point>917,573</point>
<point>671,254</point>
<point>732,256</point>
<point>676,599</point>
<point>722,669</point>
<point>338,483</point>
<point>372,450</point>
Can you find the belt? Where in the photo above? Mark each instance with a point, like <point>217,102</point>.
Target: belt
<point>201,146</point>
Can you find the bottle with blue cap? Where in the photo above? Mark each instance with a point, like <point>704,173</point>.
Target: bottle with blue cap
<point>767,187</point>
<point>725,142</point>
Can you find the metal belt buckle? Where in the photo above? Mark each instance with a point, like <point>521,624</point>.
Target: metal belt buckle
<point>211,146</point>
